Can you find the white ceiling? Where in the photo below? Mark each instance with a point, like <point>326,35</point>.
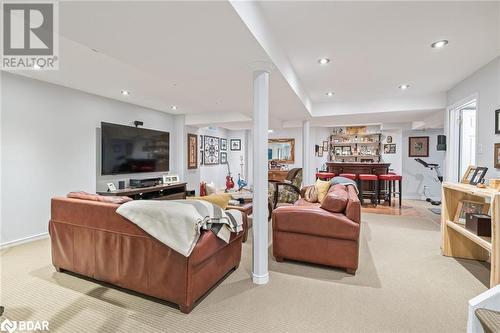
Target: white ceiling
<point>198,56</point>
<point>195,55</point>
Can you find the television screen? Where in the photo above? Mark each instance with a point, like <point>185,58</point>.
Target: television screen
<point>128,149</point>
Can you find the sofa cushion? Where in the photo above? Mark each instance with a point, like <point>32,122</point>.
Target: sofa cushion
<point>96,197</point>
<point>322,188</point>
<point>335,200</point>
<point>304,202</point>
<point>314,221</point>
<point>311,194</point>
<point>220,199</point>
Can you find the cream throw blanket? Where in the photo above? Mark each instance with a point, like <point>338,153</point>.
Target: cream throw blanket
<point>177,223</point>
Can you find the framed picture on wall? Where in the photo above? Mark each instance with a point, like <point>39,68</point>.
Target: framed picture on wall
<point>223,144</point>
<point>192,147</point>
<point>496,157</point>
<point>325,145</point>
<point>497,121</point>
<point>418,146</point>
<point>320,152</point>
<point>390,148</point>
<point>223,157</point>
<point>235,144</point>
<point>211,150</point>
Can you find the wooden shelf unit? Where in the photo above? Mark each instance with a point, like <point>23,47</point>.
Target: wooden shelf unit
<point>355,141</point>
<point>456,241</point>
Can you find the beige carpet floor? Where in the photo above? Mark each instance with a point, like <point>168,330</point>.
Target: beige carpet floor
<point>403,285</point>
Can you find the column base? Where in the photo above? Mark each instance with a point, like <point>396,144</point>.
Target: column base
<point>260,279</point>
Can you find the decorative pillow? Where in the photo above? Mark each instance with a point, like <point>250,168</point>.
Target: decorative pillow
<point>338,187</point>
<point>210,187</point>
<point>343,181</point>
<point>322,188</point>
<point>96,197</point>
<point>220,199</point>
<point>335,201</point>
<point>310,194</point>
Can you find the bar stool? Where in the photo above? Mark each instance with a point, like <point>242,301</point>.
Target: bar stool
<point>324,175</point>
<point>391,188</point>
<point>351,176</point>
<point>375,193</point>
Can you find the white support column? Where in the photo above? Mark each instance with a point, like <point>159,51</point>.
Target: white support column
<point>306,153</point>
<point>260,274</point>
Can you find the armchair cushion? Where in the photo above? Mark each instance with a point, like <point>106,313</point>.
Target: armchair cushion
<point>316,221</point>
<point>335,200</point>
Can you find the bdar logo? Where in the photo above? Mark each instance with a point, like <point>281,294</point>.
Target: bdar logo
<point>8,326</point>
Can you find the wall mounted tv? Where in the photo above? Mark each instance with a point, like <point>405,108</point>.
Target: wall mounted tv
<point>127,149</point>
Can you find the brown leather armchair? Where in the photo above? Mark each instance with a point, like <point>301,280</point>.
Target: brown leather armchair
<point>287,191</point>
<point>307,232</point>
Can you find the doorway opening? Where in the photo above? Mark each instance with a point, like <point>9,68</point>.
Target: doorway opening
<point>462,138</point>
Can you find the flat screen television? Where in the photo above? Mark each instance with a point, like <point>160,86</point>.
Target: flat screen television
<point>127,149</point>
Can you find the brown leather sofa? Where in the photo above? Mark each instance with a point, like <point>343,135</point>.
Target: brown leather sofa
<point>91,239</point>
<point>307,232</point>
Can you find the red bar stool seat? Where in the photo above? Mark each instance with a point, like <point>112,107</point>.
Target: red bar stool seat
<point>390,191</point>
<point>368,177</point>
<point>351,176</point>
<point>374,193</point>
<point>324,175</point>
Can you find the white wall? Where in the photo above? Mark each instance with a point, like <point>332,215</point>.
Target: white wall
<point>415,176</point>
<point>319,134</point>
<point>217,173</point>
<point>486,84</point>
<point>50,136</point>
<point>396,160</point>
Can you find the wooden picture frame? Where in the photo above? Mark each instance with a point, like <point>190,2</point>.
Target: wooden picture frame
<point>320,152</point>
<point>192,148</point>
<point>478,175</point>
<point>497,121</point>
<point>467,177</point>
<point>418,146</point>
<point>288,141</point>
<point>325,145</point>
<point>469,206</point>
<point>496,157</point>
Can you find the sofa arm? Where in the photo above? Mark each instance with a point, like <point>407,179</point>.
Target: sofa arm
<point>490,300</point>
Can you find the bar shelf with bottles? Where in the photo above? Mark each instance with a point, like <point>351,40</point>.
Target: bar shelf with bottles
<point>355,148</point>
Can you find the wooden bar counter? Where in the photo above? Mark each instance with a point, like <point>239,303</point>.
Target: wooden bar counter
<point>372,168</point>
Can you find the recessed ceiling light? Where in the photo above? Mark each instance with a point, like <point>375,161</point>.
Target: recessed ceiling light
<point>439,44</point>
<point>323,61</point>
<point>173,107</point>
<point>404,86</point>
<point>270,131</point>
<point>125,92</point>
<point>330,93</point>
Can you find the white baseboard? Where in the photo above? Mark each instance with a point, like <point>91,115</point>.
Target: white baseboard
<point>24,240</point>
<point>419,197</point>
